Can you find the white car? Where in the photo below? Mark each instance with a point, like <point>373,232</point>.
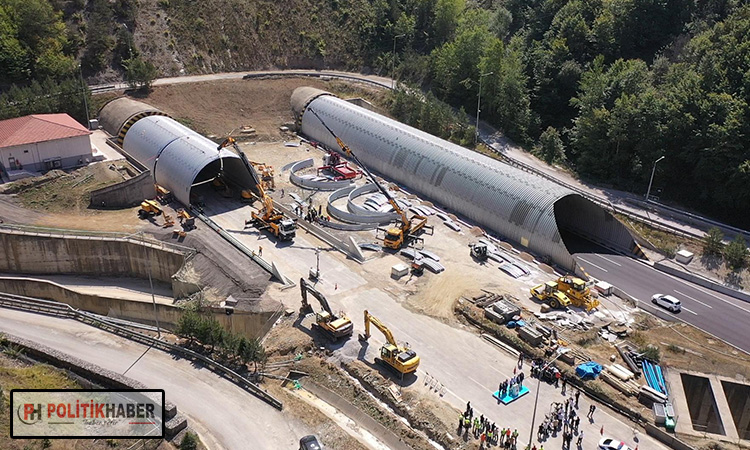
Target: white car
<point>667,302</point>
<point>612,444</point>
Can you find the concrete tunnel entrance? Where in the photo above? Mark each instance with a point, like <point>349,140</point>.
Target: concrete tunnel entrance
<point>587,227</point>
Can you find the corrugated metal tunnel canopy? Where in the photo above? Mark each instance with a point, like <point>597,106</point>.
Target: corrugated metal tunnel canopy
<point>117,115</point>
<point>521,207</point>
<point>178,157</point>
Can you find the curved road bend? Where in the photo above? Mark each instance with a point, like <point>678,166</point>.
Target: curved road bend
<point>224,415</point>
<point>723,316</point>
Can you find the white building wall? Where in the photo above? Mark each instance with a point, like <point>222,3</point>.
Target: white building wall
<point>31,157</point>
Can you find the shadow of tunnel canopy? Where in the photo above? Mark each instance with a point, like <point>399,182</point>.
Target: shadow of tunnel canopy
<point>234,171</point>
<point>588,228</point>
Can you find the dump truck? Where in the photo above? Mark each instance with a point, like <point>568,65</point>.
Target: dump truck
<point>334,326</point>
<point>577,291</point>
<point>549,294</point>
<point>408,228</point>
<point>400,359</point>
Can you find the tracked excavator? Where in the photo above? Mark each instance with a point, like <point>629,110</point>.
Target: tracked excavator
<point>408,228</point>
<point>334,326</point>
<point>268,218</point>
<point>402,360</point>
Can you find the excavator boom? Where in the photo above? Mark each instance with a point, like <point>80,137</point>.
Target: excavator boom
<point>380,326</point>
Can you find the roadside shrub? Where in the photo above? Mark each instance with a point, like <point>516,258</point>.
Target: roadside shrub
<point>189,442</point>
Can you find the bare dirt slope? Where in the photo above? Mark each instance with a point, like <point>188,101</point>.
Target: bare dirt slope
<point>219,107</point>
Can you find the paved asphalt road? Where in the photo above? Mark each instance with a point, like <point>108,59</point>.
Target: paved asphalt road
<point>224,415</point>
<point>721,315</point>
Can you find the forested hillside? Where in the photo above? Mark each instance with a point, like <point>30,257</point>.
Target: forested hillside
<point>604,87</point>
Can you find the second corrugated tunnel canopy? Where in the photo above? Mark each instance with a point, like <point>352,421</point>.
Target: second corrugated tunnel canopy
<point>529,210</point>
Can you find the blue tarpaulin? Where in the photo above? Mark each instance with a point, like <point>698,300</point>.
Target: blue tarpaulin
<point>589,370</point>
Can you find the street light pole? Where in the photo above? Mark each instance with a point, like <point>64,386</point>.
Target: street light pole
<point>479,103</point>
<point>560,351</point>
<point>85,102</point>
<point>653,171</point>
<point>393,61</point>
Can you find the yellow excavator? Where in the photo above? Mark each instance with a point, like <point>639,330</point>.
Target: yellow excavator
<point>577,291</point>
<point>401,359</point>
<point>283,228</point>
<point>408,228</point>
<point>149,208</point>
<point>335,327</point>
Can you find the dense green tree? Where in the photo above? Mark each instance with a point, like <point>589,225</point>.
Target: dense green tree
<point>33,39</point>
<point>139,72</point>
<point>447,13</point>
<point>551,147</point>
<point>736,253</point>
<point>712,242</point>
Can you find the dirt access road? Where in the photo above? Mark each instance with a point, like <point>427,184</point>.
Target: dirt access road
<point>224,415</point>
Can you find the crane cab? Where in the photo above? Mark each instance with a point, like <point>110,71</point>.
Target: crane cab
<point>394,238</point>
<point>287,229</point>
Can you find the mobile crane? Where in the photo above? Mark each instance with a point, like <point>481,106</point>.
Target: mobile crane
<point>336,327</point>
<point>395,237</point>
<point>271,219</point>
<point>401,359</point>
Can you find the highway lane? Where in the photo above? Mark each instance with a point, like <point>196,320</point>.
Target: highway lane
<point>721,315</point>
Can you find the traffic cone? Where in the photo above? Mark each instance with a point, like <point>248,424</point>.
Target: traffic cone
<point>602,431</point>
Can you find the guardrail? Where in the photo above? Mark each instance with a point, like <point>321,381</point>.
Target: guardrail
<point>52,308</point>
<point>604,204</point>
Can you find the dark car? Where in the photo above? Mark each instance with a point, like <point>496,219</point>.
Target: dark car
<point>309,443</point>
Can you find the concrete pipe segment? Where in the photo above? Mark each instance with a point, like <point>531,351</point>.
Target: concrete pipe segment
<point>345,216</point>
<point>372,216</point>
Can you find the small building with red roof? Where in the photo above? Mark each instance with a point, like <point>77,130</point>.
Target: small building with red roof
<point>42,142</point>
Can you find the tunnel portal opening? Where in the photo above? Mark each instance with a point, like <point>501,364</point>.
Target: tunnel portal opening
<point>586,227</point>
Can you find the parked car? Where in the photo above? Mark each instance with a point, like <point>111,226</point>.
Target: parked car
<point>310,442</point>
<point>612,444</point>
<point>667,302</point>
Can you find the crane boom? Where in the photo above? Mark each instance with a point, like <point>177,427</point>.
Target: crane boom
<point>406,224</point>
<point>265,199</point>
<point>380,326</point>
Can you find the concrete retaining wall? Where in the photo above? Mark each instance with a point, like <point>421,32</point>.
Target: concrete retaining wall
<point>247,323</point>
<point>125,193</point>
<point>34,253</point>
<point>666,438</point>
<point>702,281</point>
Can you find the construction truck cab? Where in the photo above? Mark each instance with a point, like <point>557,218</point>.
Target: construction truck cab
<point>394,238</point>
<point>287,229</point>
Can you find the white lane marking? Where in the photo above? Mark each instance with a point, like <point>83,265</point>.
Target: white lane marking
<point>692,298</point>
<point>607,259</point>
<point>589,262</point>
<point>717,297</point>
<point>691,312</point>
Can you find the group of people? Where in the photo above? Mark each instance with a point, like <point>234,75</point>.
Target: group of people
<point>487,432</point>
<point>507,384</point>
<point>563,417</point>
